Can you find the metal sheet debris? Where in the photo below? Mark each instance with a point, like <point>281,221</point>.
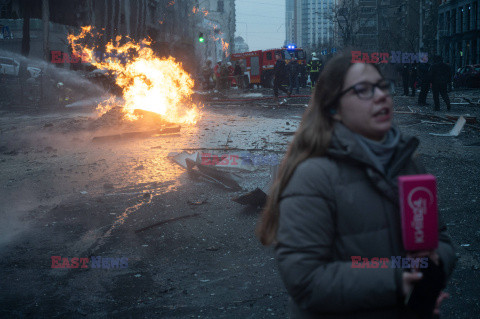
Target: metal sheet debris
<point>107,138</point>
<point>225,161</point>
<point>212,174</point>
<point>180,158</point>
<point>456,129</point>
<point>255,198</point>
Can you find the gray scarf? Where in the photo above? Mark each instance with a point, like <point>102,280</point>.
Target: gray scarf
<point>380,152</point>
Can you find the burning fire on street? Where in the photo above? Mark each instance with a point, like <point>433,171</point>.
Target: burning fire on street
<point>148,83</point>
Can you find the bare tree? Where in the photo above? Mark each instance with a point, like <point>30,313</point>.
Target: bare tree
<point>351,19</point>
<point>399,24</point>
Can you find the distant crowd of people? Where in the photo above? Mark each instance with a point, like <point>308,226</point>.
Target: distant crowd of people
<point>223,75</point>
<point>294,72</point>
<point>289,77</point>
<point>286,77</point>
<point>438,76</point>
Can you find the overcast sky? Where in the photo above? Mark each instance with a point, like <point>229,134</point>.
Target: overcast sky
<point>261,23</point>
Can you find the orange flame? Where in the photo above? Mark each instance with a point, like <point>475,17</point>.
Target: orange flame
<point>147,81</point>
<point>225,46</point>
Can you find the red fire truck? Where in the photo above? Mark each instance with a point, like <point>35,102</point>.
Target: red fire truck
<point>259,64</point>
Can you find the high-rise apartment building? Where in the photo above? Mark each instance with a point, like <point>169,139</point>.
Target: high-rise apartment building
<point>309,23</point>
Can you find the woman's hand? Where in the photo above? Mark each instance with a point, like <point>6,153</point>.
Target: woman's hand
<point>409,279</point>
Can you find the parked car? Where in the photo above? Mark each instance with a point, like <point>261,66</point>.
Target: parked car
<point>467,76</point>
<point>11,67</point>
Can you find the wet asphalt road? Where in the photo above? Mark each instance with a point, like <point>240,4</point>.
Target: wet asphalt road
<point>63,195</point>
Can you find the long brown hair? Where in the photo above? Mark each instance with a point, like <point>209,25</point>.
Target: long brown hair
<point>311,139</point>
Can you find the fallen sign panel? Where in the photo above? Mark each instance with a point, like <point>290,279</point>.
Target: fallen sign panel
<point>455,131</point>
<point>222,178</point>
<point>167,130</point>
<point>180,158</point>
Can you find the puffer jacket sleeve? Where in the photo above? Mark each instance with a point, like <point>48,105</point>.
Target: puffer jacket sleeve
<point>445,249</point>
<point>305,249</point>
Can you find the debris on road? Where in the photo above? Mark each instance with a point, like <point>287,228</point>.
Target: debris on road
<point>165,222</point>
<point>455,131</point>
<point>197,202</point>
<point>212,174</point>
<point>145,134</point>
<point>285,133</point>
<point>469,119</point>
<point>223,161</point>
<point>435,123</point>
<point>255,198</point>
<point>180,158</point>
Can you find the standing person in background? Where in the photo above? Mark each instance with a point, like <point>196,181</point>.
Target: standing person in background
<point>423,76</point>
<point>231,73</point>
<point>216,73</point>
<point>336,200</point>
<point>224,73</point>
<point>441,74</point>
<point>314,69</point>
<point>280,74</point>
<point>303,75</point>
<point>450,82</point>
<point>238,73</point>
<point>405,78</point>
<point>207,73</point>
<point>413,77</point>
<point>293,74</point>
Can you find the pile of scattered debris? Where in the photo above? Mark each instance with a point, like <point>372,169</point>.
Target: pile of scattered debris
<point>147,124</point>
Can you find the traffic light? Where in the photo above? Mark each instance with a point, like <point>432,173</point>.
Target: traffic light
<point>201,39</point>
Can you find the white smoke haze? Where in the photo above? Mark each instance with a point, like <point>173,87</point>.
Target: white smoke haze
<point>76,81</point>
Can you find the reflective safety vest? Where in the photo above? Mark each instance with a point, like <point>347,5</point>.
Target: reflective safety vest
<point>314,66</point>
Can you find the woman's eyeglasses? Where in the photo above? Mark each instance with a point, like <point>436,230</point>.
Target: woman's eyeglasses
<point>366,90</point>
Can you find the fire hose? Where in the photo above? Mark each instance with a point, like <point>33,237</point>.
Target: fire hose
<point>257,99</point>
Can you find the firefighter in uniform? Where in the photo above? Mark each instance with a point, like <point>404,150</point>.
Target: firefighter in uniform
<point>314,67</point>
<point>280,74</point>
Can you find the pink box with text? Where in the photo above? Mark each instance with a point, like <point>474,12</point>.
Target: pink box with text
<point>418,208</point>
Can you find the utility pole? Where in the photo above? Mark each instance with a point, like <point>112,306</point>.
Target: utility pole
<point>46,29</point>
<point>420,36</point>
